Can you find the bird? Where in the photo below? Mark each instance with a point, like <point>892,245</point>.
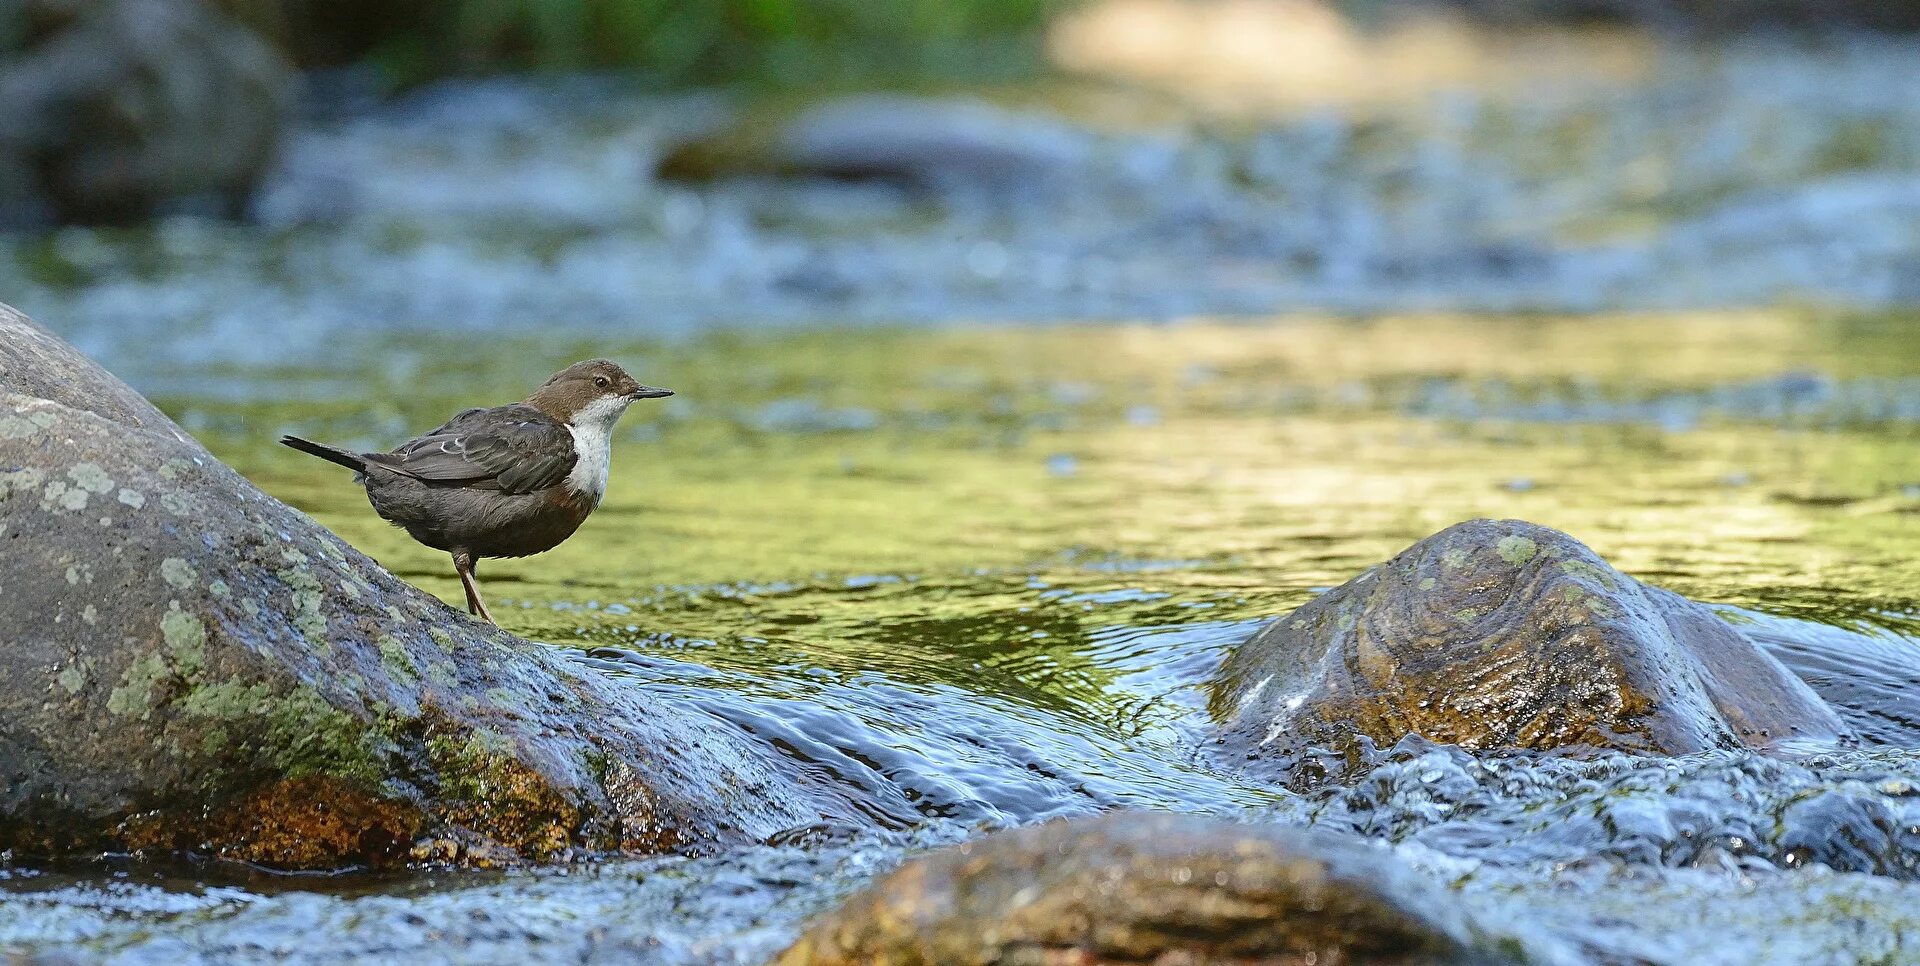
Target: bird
<point>509,481</point>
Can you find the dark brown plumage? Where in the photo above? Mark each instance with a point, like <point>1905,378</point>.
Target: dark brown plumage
<point>509,481</point>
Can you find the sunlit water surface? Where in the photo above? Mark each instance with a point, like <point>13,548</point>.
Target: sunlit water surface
<point>984,575</point>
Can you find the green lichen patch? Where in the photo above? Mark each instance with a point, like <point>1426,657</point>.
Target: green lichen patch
<point>135,693</point>
<point>228,701</point>
<point>176,504</point>
<point>57,495</point>
<point>14,427</point>
<point>1516,549</point>
<point>74,676</point>
<point>178,573</point>
<point>132,498</point>
<point>90,477</point>
<point>394,657</point>
<point>307,603</point>
<point>18,426</point>
<point>308,736</point>
<point>214,740</point>
<point>1454,557</point>
<point>20,481</point>
<point>441,673</point>
<point>186,637</point>
<point>1586,570</point>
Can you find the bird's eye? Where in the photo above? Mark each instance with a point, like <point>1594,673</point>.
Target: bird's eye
<point>601,381</point>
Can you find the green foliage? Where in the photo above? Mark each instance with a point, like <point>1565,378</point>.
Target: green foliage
<point>673,41</point>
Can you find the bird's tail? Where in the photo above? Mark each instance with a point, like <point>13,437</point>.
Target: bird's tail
<point>328,453</point>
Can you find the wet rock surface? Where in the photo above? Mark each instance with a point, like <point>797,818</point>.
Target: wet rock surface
<point>193,666</point>
<point>123,109</point>
<point>1506,635</point>
<point>1139,887</point>
<point>38,363</point>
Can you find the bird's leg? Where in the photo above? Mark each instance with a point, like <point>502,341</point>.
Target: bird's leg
<point>463,565</point>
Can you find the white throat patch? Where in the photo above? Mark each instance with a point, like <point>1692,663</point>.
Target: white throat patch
<point>592,429</point>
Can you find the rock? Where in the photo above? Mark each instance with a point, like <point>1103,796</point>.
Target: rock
<point>190,664</point>
<point>930,142</point>
<point>1718,15</point>
<point>1144,887</point>
<point>1870,678</point>
<point>1506,635</point>
<point>38,363</point>
<point>123,109</point>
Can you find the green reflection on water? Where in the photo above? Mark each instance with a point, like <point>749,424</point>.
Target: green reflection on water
<point>985,507</point>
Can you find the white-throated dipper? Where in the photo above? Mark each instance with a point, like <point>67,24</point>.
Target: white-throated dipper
<point>510,481</point>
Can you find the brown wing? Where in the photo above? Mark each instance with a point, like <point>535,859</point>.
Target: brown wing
<point>514,449</point>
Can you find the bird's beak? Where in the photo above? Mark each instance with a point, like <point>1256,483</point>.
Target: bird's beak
<point>649,392</point>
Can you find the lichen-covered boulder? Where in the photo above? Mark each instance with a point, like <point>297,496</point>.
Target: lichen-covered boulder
<point>1506,635</point>
<point>122,109</point>
<point>1145,887</point>
<point>188,664</point>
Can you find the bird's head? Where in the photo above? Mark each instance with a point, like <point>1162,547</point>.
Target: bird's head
<point>595,391</point>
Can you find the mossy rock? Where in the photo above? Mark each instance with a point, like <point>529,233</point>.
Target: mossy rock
<point>1507,635</point>
<point>192,665</point>
<point>1143,887</point>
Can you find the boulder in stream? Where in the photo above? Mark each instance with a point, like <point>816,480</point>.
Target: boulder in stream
<point>122,109</point>
<point>1146,887</point>
<point>190,665</point>
<point>1507,635</point>
<point>917,140</point>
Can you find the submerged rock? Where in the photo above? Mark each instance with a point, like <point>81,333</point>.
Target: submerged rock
<point>122,109</point>
<point>191,665</point>
<point>924,141</point>
<point>1503,634</point>
<point>1144,887</point>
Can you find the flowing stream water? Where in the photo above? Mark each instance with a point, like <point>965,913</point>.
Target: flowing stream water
<point>985,574</point>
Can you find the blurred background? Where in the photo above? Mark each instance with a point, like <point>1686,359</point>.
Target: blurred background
<point>237,180</point>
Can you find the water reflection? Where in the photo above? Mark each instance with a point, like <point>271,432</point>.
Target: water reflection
<point>862,548</point>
